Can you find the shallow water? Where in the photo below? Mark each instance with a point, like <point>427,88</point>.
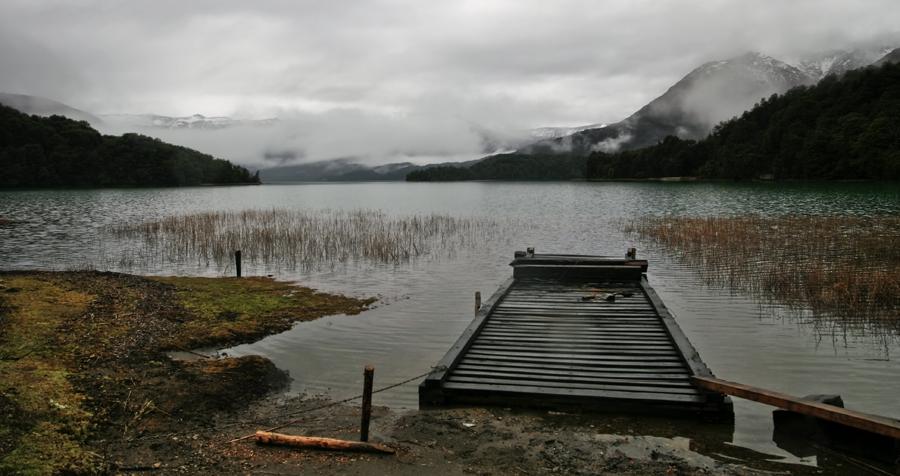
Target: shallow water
<point>426,304</point>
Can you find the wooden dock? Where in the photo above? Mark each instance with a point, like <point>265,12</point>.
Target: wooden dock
<point>574,331</point>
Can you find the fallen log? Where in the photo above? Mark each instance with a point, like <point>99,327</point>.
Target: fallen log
<point>268,438</point>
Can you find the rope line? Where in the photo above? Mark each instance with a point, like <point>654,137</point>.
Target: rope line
<point>327,405</point>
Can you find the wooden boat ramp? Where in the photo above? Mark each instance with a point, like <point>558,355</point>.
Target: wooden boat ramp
<point>574,331</point>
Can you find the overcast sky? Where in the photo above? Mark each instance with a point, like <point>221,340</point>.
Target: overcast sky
<point>494,64</point>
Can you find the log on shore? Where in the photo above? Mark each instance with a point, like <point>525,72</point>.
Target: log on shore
<point>268,438</point>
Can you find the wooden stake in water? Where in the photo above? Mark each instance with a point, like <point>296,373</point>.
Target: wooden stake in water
<point>477,301</point>
<point>237,262</point>
<point>368,380</point>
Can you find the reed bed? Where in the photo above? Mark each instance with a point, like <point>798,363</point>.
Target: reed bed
<point>303,239</point>
<point>837,266</point>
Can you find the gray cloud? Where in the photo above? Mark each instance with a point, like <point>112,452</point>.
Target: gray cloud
<point>376,78</point>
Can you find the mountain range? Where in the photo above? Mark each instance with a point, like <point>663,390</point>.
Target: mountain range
<point>690,109</point>
<point>196,121</point>
<point>711,93</point>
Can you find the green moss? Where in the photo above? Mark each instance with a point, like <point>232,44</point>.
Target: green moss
<point>242,309</point>
<point>48,424</point>
<point>82,357</point>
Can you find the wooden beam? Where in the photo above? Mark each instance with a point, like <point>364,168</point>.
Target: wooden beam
<point>267,438</point>
<point>687,350</point>
<point>863,421</point>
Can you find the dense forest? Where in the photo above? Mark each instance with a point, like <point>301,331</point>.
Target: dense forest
<point>508,167</point>
<point>842,128</point>
<point>59,152</point>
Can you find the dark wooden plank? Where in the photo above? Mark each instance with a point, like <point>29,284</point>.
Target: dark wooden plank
<point>660,363</point>
<point>586,321</point>
<point>561,333</point>
<point>528,291</point>
<point>581,342</point>
<point>589,271</point>
<point>589,324</point>
<point>527,364</point>
<point>612,328</point>
<point>575,357</point>
<point>579,259</point>
<point>588,377</point>
<point>465,366</point>
<point>575,306</point>
<point>579,350</point>
<point>562,379</point>
<point>575,385</point>
<point>600,394</point>
<point>551,321</point>
<point>575,349</point>
<point>554,312</point>
<point>863,421</point>
<point>575,311</point>
<point>597,297</point>
<point>564,337</point>
<point>561,322</point>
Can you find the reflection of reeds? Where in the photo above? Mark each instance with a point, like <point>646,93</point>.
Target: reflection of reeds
<point>305,239</point>
<point>846,267</point>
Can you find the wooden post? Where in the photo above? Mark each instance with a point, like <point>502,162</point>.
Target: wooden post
<point>237,262</point>
<point>368,378</point>
<point>477,301</point>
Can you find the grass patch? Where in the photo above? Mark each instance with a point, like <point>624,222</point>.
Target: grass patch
<point>842,267</point>
<point>47,423</point>
<point>83,369</point>
<point>242,309</point>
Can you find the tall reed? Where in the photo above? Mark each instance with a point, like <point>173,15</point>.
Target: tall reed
<point>838,266</point>
<point>303,238</point>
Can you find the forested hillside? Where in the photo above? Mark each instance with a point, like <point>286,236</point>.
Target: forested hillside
<point>841,128</point>
<point>59,152</point>
<point>508,167</point>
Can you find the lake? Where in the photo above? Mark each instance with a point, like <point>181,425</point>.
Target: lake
<point>426,303</point>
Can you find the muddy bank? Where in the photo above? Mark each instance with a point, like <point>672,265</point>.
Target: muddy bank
<point>83,364</point>
<point>86,387</point>
<point>493,441</point>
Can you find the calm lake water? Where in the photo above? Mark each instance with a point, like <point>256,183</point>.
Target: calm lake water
<point>426,304</point>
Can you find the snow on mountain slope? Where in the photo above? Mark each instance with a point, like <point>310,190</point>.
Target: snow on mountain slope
<point>196,121</point>
<point>711,93</point>
<point>839,62</point>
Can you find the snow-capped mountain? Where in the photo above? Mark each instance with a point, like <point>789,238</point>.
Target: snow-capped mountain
<point>711,93</point>
<point>544,133</point>
<point>839,62</point>
<point>196,121</point>
<point>892,57</point>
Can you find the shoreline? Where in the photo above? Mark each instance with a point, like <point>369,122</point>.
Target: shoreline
<point>85,372</point>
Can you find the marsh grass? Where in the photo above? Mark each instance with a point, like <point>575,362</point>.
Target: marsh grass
<point>831,266</point>
<point>300,239</point>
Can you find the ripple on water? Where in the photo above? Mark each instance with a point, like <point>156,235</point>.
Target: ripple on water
<point>428,303</point>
